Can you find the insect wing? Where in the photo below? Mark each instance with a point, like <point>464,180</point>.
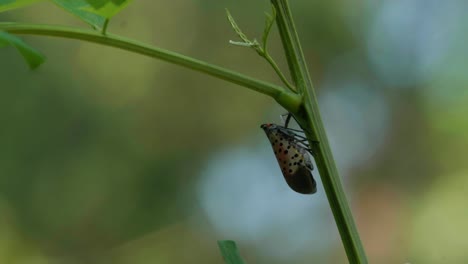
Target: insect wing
<point>292,158</point>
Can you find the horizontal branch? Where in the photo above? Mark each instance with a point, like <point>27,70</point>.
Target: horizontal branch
<point>287,99</point>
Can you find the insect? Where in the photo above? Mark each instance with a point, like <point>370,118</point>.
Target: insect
<point>292,155</point>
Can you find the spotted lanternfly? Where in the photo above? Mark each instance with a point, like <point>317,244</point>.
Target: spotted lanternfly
<point>293,158</point>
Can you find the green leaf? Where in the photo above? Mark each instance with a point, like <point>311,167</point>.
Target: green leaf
<point>230,252</point>
<point>269,21</point>
<point>237,28</point>
<point>33,57</point>
<point>106,8</point>
<point>77,8</point>
<point>15,4</point>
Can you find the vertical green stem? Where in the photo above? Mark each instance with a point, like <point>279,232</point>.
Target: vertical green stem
<point>309,118</point>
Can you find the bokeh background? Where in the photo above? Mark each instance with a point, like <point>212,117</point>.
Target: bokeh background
<point>111,157</point>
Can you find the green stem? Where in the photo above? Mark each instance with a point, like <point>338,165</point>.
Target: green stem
<point>275,67</point>
<point>286,98</point>
<point>309,118</point>
<point>104,28</point>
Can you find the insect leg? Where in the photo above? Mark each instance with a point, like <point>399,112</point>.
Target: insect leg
<point>294,130</point>
<point>288,118</point>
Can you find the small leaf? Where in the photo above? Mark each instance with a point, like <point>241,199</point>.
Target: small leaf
<point>269,21</point>
<point>241,43</point>
<point>237,28</point>
<point>15,4</point>
<point>106,8</point>
<point>76,7</point>
<point>33,57</point>
<point>230,252</point>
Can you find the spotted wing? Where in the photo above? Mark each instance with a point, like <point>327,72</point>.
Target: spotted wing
<point>293,160</point>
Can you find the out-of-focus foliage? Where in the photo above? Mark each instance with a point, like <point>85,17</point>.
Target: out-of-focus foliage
<point>82,10</point>
<point>13,4</point>
<point>106,8</point>
<point>33,57</point>
<point>230,252</point>
<point>111,157</point>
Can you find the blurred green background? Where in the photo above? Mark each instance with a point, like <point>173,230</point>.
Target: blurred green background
<point>110,157</point>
